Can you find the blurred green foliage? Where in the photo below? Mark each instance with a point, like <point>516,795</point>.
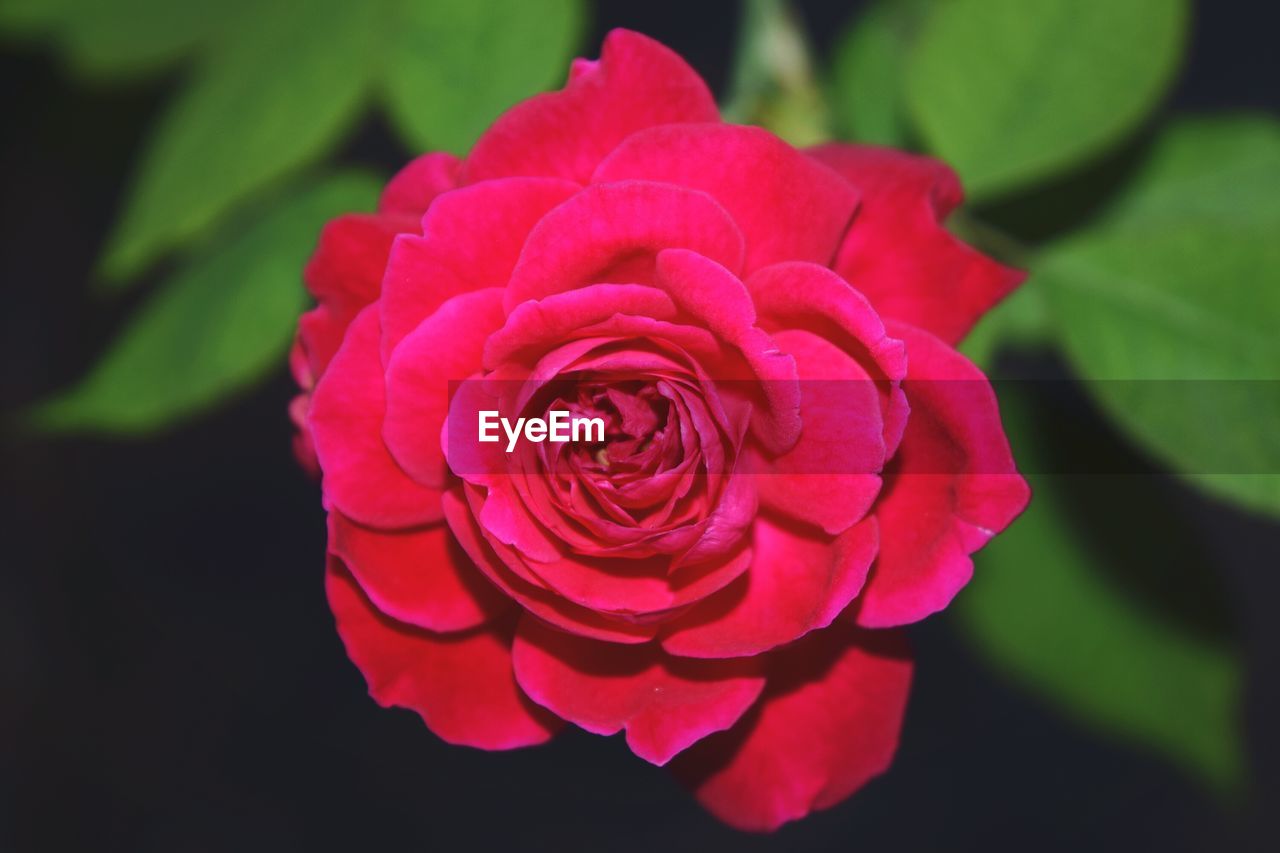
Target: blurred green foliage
<point>274,97</point>
<point>1049,605</point>
<point>451,68</point>
<point>774,83</point>
<point>110,41</point>
<point>1180,280</point>
<point>868,69</point>
<point>1011,92</point>
<point>217,325</point>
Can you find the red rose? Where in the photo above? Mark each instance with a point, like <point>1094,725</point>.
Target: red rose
<point>795,456</point>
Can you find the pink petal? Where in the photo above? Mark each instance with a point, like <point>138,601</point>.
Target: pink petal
<point>445,348</point>
<point>320,334</point>
<point>717,298</point>
<point>605,225</point>
<point>421,576</point>
<point>789,207</point>
<point>815,299</point>
<point>351,255</point>
<point>345,274</point>
<point>637,83</point>
<point>831,477</point>
<point>534,327</point>
<point>460,684</point>
<point>471,238</point>
<point>897,251</point>
<point>497,561</point>
<point>951,488</point>
<point>828,723</point>
<point>360,476</point>
<point>633,587</point>
<point>799,582</point>
<point>413,188</point>
<point>665,704</point>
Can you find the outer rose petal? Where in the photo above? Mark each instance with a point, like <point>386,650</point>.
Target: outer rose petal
<point>460,684</point>
<point>420,576</point>
<point>304,450</point>
<point>637,83</point>
<point>346,268</point>
<point>345,274</point>
<point>665,704</point>
<point>414,186</point>
<point>788,206</point>
<point>798,582</point>
<point>951,487</point>
<point>828,722</point>
<point>897,251</point>
<point>360,476</point>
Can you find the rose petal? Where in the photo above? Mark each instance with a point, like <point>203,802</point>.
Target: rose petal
<point>831,477</point>
<point>460,684</point>
<point>471,238</point>
<point>951,487</point>
<point>798,582</point>
<point>320,334</point>
<point>582,240</point>
<point>665,704</point>
<point>351,255</point>
<point>828,722</point>
<point>789,207</point>
<point>496,561</point>
<point>716,297</point>
<point>815,299</point>
<point>424,371</point>
<point>361,478</point>
<point>636,83</point>
<point>897,251</point>
<point>631,587</point>
<point>419,576</point>
<point>412,189</point>
<point>345,274</point>
<point>535,326</point>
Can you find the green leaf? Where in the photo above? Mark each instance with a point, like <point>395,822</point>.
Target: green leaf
<point>1090,600</point>
<point>276,96</point>
<point>122,38</point>
<point>215,328</point>
<point>773,84</point>
<point>1011,92</point>
<point>28,18</point>
<point>1170,306</point>
<point>450,68</point>
<point>867,72</point>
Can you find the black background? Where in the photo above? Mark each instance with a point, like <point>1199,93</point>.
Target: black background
<point>170,675</point>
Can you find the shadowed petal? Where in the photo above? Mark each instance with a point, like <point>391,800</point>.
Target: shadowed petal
<point>827,723</point>
<point>664,703</point>
<point>460,684</point>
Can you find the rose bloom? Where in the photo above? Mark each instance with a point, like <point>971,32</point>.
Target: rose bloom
<point>797,461</point>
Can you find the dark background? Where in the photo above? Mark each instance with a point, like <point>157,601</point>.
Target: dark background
<point>170,675</point>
